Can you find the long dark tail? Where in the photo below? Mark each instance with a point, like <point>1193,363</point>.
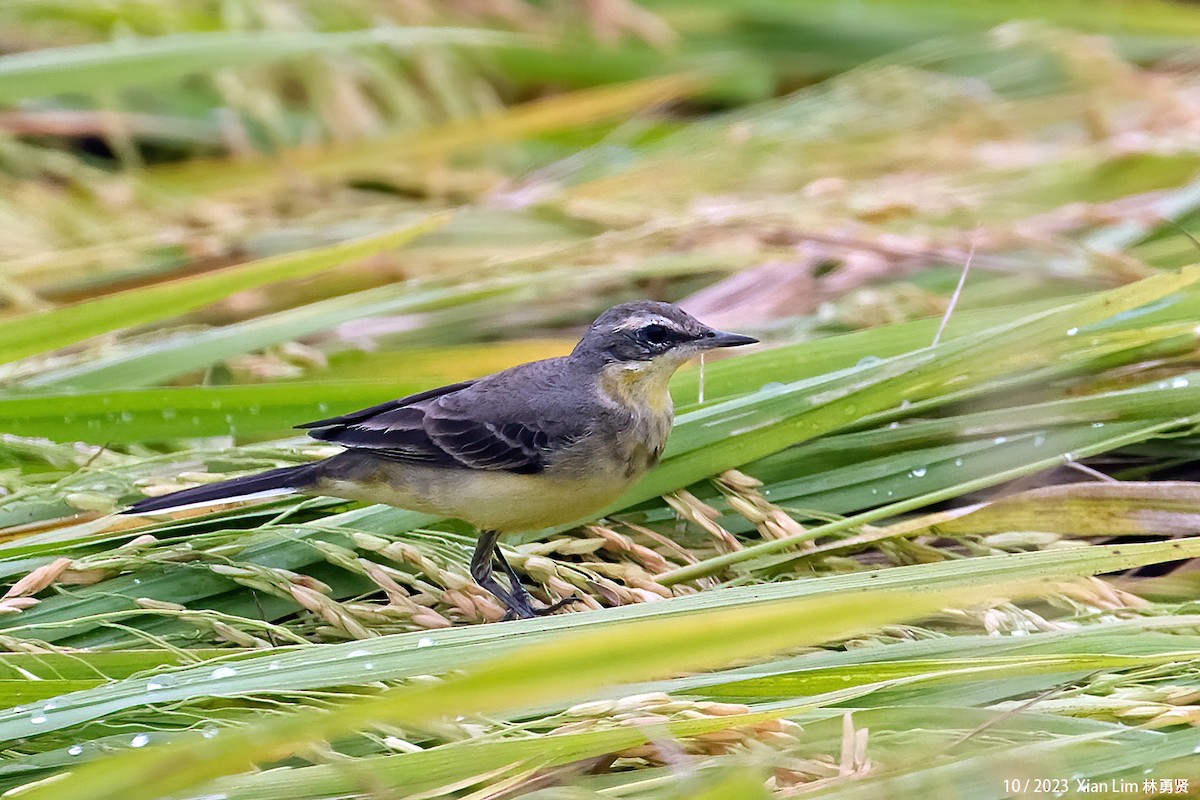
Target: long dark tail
<point>282,478</point>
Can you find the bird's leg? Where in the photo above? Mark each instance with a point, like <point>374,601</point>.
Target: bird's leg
<point>517,599</point>
<point>521,595</point>
<point>481,571</point>
<point>520,602</point>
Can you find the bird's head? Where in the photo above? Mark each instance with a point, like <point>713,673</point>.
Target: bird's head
<point>650,339</point>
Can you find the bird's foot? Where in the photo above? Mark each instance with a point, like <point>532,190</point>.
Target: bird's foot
<point>522,608</point>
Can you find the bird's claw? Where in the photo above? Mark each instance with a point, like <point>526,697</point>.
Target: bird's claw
<point>529,611</point>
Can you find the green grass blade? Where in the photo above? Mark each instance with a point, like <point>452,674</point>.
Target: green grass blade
<point>148,364</point>
<point>136,62</point>
<point>47,331</point>
<point>564,668</point>
<point>397,656</point>
<point>819,410</point>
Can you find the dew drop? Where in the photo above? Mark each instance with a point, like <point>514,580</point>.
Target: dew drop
<point>1097,424</point>
<point>891,493</point>
<point>958,462</point>
<point>358,653</point>
<point>209,732</point>
<point>1039,440</point>
<point>869,361</point>
<point>141,740</point>
<point>1072,331</point>
<point>37,719</point>
<point>918,472</point>
<point>1000,439</point>
<point>154,686</point>
<point>223,672</point>
<point>874,491</point>
<point>1179,383</point>
<point>126,416</point>
<point>274,665</point>
<point>75,750</point>
<point>425,641</point>
<point>369,665</point>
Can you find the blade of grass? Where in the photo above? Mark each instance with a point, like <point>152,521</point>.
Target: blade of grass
<point>563,112</point>
<point>632,651</point>
<point>43,332</point>
<point>718,563</point>
<point>778,423</point>
<point>398,656</point>
<point>148,364</point>
<point>136,62</point>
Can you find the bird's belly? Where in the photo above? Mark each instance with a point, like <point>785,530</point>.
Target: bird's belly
<point>490,500</point>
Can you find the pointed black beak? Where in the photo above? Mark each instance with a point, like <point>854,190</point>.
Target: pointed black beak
<point>714,339</point>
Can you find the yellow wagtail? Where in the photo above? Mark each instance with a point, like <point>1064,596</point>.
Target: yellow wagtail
<point>533,446</point>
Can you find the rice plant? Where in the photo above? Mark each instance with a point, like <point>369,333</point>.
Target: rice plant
<point>936,536</point>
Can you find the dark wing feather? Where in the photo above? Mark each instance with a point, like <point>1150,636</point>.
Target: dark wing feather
<point>390,405</point>
<point>424,429</point>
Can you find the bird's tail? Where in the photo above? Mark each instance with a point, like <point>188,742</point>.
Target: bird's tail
<point>265,484</point>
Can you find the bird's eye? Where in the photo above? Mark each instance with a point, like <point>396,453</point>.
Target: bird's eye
<point>654,334</point>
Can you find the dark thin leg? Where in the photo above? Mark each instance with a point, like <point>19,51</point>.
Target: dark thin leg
<point>521,594</point>
<point>481,571</point>
<point>522,604</point>
<point>516,599</point>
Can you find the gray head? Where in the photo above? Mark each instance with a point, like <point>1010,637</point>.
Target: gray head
<point>646,331</point>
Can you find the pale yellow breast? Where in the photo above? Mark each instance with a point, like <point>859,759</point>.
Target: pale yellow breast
<point>490,500</point>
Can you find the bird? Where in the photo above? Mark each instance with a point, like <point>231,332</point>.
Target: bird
<point>533,446</point>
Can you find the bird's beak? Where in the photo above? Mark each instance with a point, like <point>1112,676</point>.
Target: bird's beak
<point>722,339</point>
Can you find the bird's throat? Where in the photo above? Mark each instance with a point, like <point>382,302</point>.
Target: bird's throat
<point>642,385</point>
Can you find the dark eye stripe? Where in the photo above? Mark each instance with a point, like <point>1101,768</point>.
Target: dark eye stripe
<point>655,333</point>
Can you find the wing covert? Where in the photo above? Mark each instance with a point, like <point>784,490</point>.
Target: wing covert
<point>428,429</point>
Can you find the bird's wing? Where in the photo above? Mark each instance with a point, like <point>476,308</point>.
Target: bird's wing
<point>390,405</point>
<point>426,429</point>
